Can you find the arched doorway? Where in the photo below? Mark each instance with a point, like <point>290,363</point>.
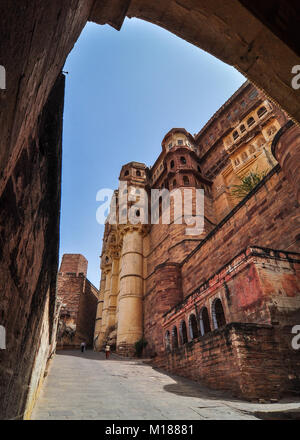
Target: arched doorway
<point>183,333</point>
<point>204,321</point>
<point>193,327</point>
<point>174,338</point>
<point>218,314</point>
<point>168,340</point>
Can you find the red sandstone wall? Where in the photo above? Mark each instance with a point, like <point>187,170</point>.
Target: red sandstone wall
<point>87,314</point>
<point>36,39</point>
<point>166,293</point>
<point>74,263</point>
<point>29,235</point>
<point>251,361</point>
<point>69,289</point>
<point>79,304</point>
<point>269,217</point>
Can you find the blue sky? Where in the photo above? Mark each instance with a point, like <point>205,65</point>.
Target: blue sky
<point>124,91</point>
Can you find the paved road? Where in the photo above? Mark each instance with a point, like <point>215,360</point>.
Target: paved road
<point>86,386</point>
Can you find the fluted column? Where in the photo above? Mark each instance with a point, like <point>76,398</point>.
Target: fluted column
<point>98,334</point>
<point>113,294</point>
<point>130,322</point>
<point>286,150</point>
<point>106,301</point>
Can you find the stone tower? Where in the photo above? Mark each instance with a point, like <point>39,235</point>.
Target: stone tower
<point>78,299</point>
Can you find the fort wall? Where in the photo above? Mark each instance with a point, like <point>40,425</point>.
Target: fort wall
<point>79,300</point>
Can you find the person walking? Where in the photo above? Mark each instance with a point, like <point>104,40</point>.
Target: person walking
<point>83,347</point>
<point>107,351</point>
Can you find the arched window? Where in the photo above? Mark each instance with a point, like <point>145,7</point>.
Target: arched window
<point>242,128</point>
<point>172,164</point>
<point>183,333</point>
<point>168,340</point>
<point>174,183</point>
<point>174,337</point>
<point>235,135</point>
<point>250,122</point>
<point>138,173</point>
<point>126,173</point>
<point>183,160</point>
<point>193,327</point>
<point>218,315</point>
<point>261,111</point>
<point>186,181</point>
<point>204,321</point>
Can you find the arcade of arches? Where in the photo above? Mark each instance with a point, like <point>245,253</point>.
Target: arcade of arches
<point>36,39</point>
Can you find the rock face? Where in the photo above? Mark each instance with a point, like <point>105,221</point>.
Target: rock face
<point>36,38</point>
<point>29,253</point>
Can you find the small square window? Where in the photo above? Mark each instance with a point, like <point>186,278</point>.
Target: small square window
<point>180,142</point>
<point>235,135</point>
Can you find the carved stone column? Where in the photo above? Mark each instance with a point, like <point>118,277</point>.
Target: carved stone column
<point>114,289</point>
<point>130,317</point>
<point>98,338</point>
<point>106,301</point>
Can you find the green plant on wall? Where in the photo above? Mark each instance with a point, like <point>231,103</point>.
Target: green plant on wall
<point>248,183</point>
<point>139,346</point>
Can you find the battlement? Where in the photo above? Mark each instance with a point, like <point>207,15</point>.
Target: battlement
<point>73,263</point>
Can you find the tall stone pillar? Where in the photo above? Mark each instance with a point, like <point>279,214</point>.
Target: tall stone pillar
<point>106,302</point>
<point>114,290</point>
<point>130,324</point>
<point>98,339</point>
<point>286,150</point>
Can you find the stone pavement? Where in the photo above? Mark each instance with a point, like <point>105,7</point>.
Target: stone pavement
<point>88,387</point>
